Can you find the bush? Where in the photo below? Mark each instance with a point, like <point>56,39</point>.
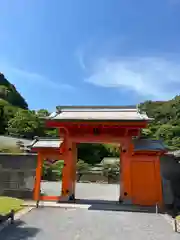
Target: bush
<point>52,172</point>
<point>81,168</point>
<point>111,171</point>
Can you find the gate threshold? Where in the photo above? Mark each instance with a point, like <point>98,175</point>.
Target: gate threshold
<point>89,205</point>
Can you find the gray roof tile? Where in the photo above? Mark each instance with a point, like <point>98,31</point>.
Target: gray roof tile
<point>46,143</point>
<point>99,113</point>
<point>148,144</point>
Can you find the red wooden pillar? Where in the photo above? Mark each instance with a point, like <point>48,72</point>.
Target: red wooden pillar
<point>125,171</point>
<point>67,175</point>
<point>38,177</point>
<point>158,181</point>
<point>74,163</point>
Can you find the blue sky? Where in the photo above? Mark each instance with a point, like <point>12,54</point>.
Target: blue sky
<point>91,52</point>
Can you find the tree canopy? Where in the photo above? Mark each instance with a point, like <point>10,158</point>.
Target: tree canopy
<point>166,123</point>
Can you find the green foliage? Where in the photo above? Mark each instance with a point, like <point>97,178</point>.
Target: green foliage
<point>82,166</point>
<point>43,113</point>
<point>110,171</point>
<point>10,102</point>
<point>166,123</point>
<point>25,123</point>
<point>113,150</point>
<point>52,172</point>
<point>48,132</point>
<point>9,93</point>
<point>92,153</point>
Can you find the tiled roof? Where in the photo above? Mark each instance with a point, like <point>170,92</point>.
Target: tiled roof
<point>46,143</point>
<point>99,113</point>
<point>148,144</point>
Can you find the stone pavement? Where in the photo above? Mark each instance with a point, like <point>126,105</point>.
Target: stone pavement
<point>85,190</point>
<point>84,224</point>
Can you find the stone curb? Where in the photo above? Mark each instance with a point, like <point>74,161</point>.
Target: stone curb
<point>169,220</point>
<point>17,216</point>
<point>57,205</point>
<point>175,225</point>
<point>82,206</point>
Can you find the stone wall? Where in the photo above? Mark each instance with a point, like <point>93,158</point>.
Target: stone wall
<point>17,175</point>
<point>170,172</point>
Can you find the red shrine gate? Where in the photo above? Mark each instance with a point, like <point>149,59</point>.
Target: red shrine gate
<point>140,178</point>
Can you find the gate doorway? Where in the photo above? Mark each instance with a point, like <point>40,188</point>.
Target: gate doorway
<point>51,179</point>
<point>49,171</point>
<point>97,175</point>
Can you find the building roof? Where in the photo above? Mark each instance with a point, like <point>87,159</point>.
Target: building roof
<point>148,144</point>
<point>90,113</point>
<point>46,143</point>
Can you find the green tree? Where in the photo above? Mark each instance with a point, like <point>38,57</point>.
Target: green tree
<point>113,150</point>
<point>111,171</point>
<point>53,172</point>
<point>48,132</point>
<point>25,123</point>
<point>43,113</point>
<point>92,153</point>
<point>147,133</point>
<point>81,168</point>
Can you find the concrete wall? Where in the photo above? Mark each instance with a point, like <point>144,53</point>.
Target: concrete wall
<point>17,174</point>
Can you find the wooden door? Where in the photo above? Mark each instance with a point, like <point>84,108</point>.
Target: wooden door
<point>143,185</point>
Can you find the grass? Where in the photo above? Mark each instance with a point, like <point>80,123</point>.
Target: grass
<point>10,149</point>
<point>7,204</point>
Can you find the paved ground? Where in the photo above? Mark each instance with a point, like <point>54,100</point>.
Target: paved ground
<point>89,224</point>
<point>83,224</point>
<point>85,190</point>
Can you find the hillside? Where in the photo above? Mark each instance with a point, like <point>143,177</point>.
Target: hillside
<point>9,94</point>
<point>166,123</point>
<point>10,101</point>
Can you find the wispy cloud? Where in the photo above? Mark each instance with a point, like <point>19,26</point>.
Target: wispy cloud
<point>155,77</point>
<point>19,75</point>
<point>39,79</point>
<point>80,56</point>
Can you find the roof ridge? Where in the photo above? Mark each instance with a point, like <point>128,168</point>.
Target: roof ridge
<point>98,106</point>
<point>59,109</point>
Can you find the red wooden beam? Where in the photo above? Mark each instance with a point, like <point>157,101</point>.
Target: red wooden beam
<point>105,124</point>
<point>89,138</point>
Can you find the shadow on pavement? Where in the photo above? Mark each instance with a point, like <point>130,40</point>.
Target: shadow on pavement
<point>96,201</point>
<point>105,205</point>
<point>18,231</point>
